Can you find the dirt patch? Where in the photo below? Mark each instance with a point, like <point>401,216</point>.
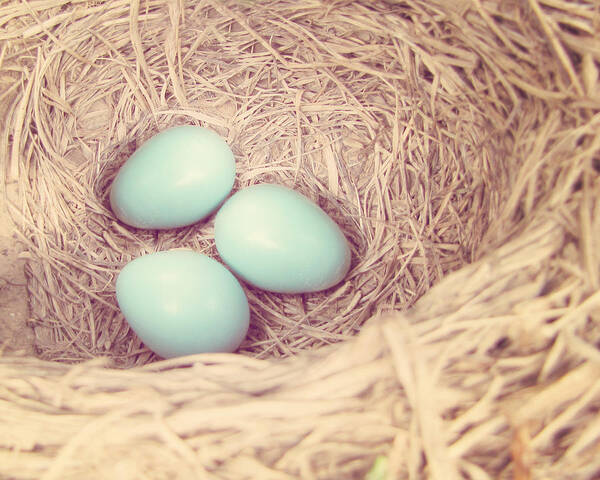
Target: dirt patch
<point>16,337</point>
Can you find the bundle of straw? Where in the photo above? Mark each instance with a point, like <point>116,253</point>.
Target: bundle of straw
<point>458,147</point>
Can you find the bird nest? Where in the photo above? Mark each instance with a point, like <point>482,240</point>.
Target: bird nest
<point>455,144</point>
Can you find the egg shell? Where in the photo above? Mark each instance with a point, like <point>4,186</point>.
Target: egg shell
<point>278,240</point>
<point>176,178</point>
<point>180,302</point>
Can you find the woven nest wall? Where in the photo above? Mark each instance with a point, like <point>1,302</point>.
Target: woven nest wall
<point>456,145</point>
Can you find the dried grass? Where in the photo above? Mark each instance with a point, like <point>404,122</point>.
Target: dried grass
<point>456,145</point>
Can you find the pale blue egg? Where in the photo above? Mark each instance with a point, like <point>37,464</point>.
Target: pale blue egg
<point>180,302</point>
<point>176,178</point>
<point>278,240</point>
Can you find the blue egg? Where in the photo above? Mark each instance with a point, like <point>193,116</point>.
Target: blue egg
<point>180,302</point>
<point>176,178</point>
<point>278,240</point>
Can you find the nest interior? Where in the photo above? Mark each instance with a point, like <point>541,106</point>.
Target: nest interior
<point>405,149</point>
<point>455,145</point>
